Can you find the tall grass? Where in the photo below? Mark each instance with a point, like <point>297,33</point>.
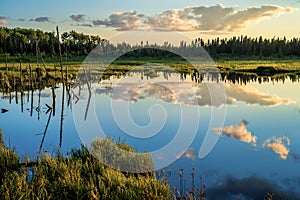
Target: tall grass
<point>78,176</point>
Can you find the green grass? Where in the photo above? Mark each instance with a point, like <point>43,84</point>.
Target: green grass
<point>283,65</point>
<point>51,74</point>
<point>78,176</point>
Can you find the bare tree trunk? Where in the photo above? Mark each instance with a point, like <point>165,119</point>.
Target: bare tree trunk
<point>31,104</point>
<point>44,135</point>
<point>53,99</point>
<point>87,82</point>
<point>87,107</point>
<point>28,95</point>
<point>63,92</point>
<point>22,101</point>
<point>39,105</point>
<point>10,97</point>
<point>62,115</point>
<point>16,94</point>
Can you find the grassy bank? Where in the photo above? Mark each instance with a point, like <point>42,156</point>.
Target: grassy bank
<point>78,176</point>
<point>48,74</point>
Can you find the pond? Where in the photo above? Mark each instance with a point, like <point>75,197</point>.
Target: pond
<point>248,135</point>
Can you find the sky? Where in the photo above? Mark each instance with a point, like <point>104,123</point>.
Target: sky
<point>157,20</point>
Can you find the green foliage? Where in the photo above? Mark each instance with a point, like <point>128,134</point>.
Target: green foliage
<point>1,137</point>
<point>8,159</point>
<point>20,42</point>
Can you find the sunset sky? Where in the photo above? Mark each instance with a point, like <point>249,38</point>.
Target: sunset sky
<point>156,20</point>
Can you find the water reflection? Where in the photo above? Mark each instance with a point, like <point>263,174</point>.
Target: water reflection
<point>278,145</point>
<point>234,92</point>
<point>239,132</point>
<point>266,146</point>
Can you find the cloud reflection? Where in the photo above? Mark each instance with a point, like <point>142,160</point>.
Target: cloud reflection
<point>239,132</point>
<point>278,145</point>
<point>198,94</point>
<point>251,95</point>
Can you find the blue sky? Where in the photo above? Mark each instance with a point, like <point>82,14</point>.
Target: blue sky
<point>193,18</point>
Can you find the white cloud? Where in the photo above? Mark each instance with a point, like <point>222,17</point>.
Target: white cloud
<point>278,145</point>
<point>216,18</point>
<point>239,132</point>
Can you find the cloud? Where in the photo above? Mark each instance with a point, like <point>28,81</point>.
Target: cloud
<point>216,18</point>
<point>2,17</point>
<point>77,18</point>
<point>21,20</point>
<point>41,19</point>
<point>251,187</point>
<point>278,145</point>
<point>189,93</point>
<point>188,154</point>
<point>80,20</point>
<point>239,132</point>
<point>3,23</point>
<point>122,21</point>
<point>251,95</point>
<point>153,90</point>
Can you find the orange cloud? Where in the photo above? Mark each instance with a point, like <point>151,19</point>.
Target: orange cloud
<point>239,132</point>
<point>216,18</point>
<point>278,145</point>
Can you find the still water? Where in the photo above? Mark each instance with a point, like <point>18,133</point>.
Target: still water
<point>254,129</point>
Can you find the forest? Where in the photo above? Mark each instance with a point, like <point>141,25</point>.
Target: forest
<point>28,42</point>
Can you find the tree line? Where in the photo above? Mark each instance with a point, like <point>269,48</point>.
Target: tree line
<point>29,42</point>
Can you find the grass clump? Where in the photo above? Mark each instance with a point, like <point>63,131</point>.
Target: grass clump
<point>77,176</point>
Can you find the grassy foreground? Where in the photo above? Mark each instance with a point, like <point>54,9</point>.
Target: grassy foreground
<point>79,176</point>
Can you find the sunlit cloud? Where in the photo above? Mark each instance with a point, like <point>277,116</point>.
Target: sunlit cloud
<point>278,145</point>
<point>40,19</point>
<point>239,132</point>
<point>216,18</point>
<point>189,153</point>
